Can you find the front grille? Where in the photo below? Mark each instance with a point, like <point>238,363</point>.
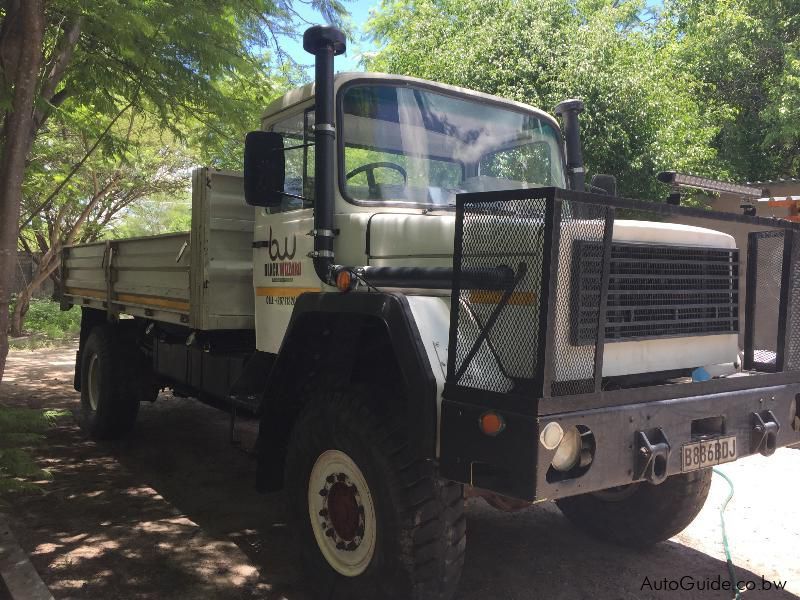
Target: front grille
<point>655,291</point>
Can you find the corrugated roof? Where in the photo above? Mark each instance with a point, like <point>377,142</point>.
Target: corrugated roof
<point>773,181</point>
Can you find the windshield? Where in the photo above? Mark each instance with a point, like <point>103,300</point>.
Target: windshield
<point>412,145</point>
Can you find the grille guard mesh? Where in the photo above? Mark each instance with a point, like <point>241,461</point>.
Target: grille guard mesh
<point>515,341</point>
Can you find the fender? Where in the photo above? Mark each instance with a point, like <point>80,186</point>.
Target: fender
<point>319,352</point>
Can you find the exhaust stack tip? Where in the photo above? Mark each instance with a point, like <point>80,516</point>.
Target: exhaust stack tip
<point>321,36</point>
<point>567,106</point>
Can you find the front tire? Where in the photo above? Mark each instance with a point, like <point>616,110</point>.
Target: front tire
<point>370,521</point>
<point>108,404</point>
<point>640,514</point>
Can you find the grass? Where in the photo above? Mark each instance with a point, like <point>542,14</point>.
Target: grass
<point>21,428</point>
<point>48,325</point>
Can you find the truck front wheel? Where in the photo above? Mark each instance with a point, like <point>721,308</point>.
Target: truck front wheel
<point>640,514</point>
<point>108,406</point>
<point>369,521</point>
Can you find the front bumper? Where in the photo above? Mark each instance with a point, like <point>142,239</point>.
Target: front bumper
<point>515,463</point>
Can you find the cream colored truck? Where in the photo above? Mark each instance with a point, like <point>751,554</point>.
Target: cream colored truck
<point>318,292</point>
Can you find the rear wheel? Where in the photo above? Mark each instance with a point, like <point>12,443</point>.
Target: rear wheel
<point>370,522</point>
<point>640,514</point>
<point>108,404</point>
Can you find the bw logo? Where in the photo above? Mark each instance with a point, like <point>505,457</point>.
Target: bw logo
<point>275,248</point>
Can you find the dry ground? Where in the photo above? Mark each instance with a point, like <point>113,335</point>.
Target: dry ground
<point>171,513</point>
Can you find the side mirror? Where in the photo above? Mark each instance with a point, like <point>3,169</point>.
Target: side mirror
<point>264,168</point>
<point>604,184</point>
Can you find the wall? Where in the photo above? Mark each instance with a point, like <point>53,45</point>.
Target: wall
<point>26,268</point>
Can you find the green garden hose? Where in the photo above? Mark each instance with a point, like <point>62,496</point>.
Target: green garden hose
<point>731,569</point>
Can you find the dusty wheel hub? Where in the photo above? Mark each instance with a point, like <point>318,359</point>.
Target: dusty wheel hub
<point>342,513</point>
<point>345,512</point>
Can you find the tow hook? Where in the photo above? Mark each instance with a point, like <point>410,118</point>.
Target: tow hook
<point>764,436</point>
<point>652,456</point>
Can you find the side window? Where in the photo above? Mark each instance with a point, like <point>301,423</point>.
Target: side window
<point>297,130</point>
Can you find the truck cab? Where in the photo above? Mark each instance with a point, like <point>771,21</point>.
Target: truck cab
<point>405,148</point>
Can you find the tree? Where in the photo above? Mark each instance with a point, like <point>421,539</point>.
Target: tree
<point>165,56</point>
<point>640,116</point>
<point>745,54</point>
<point>153,216</point>
<point>147,163</point>
<point>21,36</point>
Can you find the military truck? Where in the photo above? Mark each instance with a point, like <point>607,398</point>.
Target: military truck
<point>412,288</point>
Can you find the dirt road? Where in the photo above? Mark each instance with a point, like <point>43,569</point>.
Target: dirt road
<point>171,513</point>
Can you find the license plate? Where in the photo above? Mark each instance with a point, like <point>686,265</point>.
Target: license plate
<point>708,453</point>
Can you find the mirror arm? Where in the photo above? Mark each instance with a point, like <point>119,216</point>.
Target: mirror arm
<point>303,198</point>
<point>298,146</point>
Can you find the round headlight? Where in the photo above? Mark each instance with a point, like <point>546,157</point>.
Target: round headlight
<point>568,452</point>
<point>551,435</point>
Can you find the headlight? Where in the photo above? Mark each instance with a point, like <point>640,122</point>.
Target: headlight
<point>551,435</point>
<point>568,452</point>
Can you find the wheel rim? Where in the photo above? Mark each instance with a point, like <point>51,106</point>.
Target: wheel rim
<point>94,382</point>
<point>342,513</point>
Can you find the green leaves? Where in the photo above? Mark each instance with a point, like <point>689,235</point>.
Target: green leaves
<point>148,89</point>
<point>691,88</point>
<point>743,55</point>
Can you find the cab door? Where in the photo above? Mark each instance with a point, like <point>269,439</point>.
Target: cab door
<point>282,269</point>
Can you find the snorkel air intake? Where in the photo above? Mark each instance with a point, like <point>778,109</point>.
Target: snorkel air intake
<point>324,42</point>
<point>569,110</point>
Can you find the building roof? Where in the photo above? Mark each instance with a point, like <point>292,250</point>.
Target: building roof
<point>773,182</point>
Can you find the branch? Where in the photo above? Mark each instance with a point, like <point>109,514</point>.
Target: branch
<point>25,246</point>
<point>73,232</point>
<point>75,169</point>
<point>61,59</point>
<point>40,117</point>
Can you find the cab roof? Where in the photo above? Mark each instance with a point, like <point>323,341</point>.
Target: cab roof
<point>302,94</point>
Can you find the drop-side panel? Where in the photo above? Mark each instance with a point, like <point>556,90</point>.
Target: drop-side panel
<point>202,279</point>
<point>146,276</point>
<point>222,257</point>
<point>84,275</point>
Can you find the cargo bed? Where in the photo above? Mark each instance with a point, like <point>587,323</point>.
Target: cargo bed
<point>201,279</point>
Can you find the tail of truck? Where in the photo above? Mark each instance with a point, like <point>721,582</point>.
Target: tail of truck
<point>170,310</point>
<point>201,278</point>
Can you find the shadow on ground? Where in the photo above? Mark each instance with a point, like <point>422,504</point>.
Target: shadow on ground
<point>171,513</point>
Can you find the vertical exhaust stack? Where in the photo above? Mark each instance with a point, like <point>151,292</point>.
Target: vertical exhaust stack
<point>324,42</point>
<point>569,110</point>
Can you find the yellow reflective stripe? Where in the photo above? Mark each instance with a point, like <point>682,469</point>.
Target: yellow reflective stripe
<point>284,292</point>
<point>158,302</point>
<point>155,301</point>
<point>493,297</point>
<point>100,294</point>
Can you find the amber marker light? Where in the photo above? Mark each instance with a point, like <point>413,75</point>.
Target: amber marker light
<point>492,424</point>
<point>344,280</point>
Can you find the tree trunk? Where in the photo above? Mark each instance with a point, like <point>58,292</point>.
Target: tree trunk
<point>20,310</point>
<point>47,266</point>
<point>21,58</point>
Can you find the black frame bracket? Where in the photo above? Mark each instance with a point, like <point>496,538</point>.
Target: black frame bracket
<point>652,456</point>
